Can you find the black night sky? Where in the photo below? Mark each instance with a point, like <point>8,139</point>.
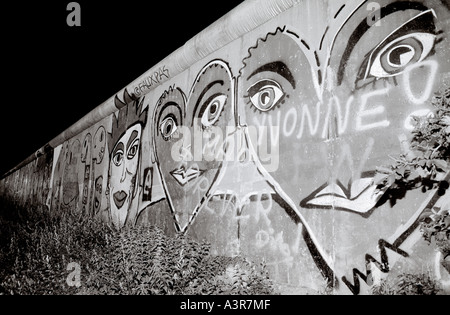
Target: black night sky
<point>56,74</point>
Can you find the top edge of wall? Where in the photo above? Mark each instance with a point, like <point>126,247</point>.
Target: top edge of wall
<point>242,19</point>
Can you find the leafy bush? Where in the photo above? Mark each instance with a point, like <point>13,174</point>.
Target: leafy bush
<point>435,225</point>
<point>143,260</point>
<point>409,284</point>
<point>37,246</point>
<point>236,276</point>
<point>426,166</point>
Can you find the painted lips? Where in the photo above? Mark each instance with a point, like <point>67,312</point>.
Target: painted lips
<point>184,176</point>
<point>119,198</point>
<point>360,196</point>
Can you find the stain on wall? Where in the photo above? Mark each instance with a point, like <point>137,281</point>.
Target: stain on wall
<point>268,148</point>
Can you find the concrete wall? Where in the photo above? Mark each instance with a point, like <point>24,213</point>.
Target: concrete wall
<point>262,135</point>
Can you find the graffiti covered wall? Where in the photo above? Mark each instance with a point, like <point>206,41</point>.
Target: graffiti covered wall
<point>268,147</point>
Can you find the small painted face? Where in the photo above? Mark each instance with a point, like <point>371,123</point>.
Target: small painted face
<point>99,145</point>
<point>86,154</point>
<point>98,194</point>
<point>71,189</point>
<point>188,135</point>
<point>123,172</point>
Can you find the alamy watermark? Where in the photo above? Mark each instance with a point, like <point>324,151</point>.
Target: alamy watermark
<point>74,278</point>
<point>74,16</point>
<point>241,144</point>
<point>374,17</point>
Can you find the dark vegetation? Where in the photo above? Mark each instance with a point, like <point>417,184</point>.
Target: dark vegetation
<point>409,284</point>
<point>37,246</point>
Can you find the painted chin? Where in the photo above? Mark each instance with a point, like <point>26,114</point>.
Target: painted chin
<point>119,198</point>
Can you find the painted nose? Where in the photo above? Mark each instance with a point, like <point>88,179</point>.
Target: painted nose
<point>185,153</point>
<point>124,173</point>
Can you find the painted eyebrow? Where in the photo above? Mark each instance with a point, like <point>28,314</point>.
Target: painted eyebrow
<point>277,67</point>
<point>133,136</point>
<point>363,27</point>
<point>119,146</point>
<point>167,105</point>
<point>206,89</point>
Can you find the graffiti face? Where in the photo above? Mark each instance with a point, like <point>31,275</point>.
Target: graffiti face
<point>123,172</point>
<point>71,190</point>
<point>125,148</point>
<point>375,73</point>
<point>343,104</point>
<point>98,151</point>
<point>188,135</point>
<point>279,91</point>
<point>98,194</point>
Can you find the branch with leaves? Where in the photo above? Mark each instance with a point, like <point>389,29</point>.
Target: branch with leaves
<point>428,158</point>
<point>425,166</point>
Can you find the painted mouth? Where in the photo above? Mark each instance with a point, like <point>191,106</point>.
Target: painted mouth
<point>184,176</point>
<point>96,203</point>
<point>119,198</point>
<point>359,196</point>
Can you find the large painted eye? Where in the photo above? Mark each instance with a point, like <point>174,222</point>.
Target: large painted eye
<point>133,150</point>
<point>168,127</point>
<point>409,44</point>
<point>265,94</point>
<point>212,109</point>
<point>392,59</point>
<point>118,157</point>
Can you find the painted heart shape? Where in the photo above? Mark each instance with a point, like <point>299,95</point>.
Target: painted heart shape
<point>274,87</point>
<point>188,140</point>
